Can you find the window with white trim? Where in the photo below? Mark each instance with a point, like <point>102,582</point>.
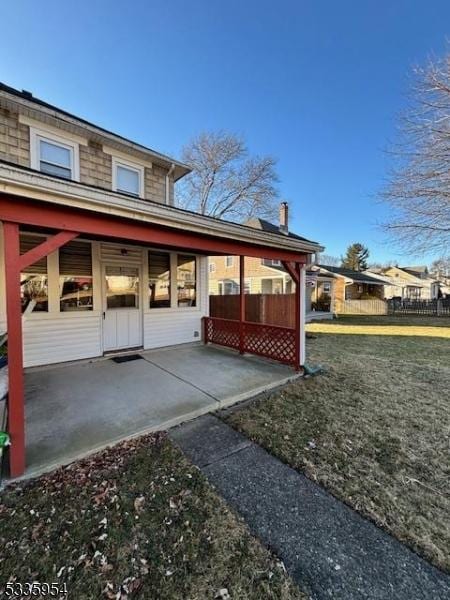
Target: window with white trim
<point>229,261</point>
<point>34,280</point>
<point>75,277</point>
<point>271,262</point>
<point>54,155</point>
<point>186,280</point>
<point>128,178</point>
<point>212,267</point>
<point>326,287</point>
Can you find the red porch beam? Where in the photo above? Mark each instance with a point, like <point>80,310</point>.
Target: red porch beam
<point>28,212</point>
<point>16,415</point>
<point>45,248</point>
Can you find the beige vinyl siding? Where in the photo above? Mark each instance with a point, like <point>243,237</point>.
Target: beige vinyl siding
<point>95,163</point>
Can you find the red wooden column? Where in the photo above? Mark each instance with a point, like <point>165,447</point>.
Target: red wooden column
<point>16,417</point>
<point>298,336</point>
<point>14,264</point>
<point>298,277</point>
<point>241,302</point>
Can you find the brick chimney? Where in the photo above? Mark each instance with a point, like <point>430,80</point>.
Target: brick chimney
<point>284,217</point>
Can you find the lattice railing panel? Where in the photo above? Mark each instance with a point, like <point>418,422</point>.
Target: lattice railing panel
<point>224,332</point>
<point>270,341</point>
<point>273,342</point>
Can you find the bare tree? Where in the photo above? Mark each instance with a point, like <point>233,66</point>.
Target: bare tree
<point>441,267</point>
<point>419,189</point>
<point>225,181</point>
<point>328,260</point>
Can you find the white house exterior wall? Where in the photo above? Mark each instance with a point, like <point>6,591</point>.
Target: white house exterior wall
<point>54,337</point>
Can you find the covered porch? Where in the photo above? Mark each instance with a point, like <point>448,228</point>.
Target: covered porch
<point>180,232</point>
<point>99,402</point>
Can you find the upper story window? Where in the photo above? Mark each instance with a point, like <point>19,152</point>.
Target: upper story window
<point>229,261</point>
<point>54,155</point>
<point>128,178</point>
<point>270,262</point>
<point>212,267</point>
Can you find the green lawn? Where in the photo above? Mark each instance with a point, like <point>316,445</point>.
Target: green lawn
<point>374,429</point>
<point>134,521</point>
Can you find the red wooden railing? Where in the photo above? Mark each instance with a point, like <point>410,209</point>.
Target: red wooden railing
<point>270,341</point>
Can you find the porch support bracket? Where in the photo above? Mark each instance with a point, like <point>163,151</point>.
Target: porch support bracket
<point>291,269</point>
<point>45,248</point>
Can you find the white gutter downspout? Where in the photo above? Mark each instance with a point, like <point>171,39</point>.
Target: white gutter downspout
<point>169,173</point>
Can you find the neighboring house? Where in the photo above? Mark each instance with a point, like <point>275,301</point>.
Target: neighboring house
<point>264,276</point>
<point>352,285</point>
<point>409,283</point>
<point>92,239</point>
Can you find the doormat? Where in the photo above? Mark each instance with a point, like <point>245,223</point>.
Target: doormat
<point>126,358</point>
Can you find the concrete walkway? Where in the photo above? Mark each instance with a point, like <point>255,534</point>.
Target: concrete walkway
<point>328,549</point>
<point>75,409</point>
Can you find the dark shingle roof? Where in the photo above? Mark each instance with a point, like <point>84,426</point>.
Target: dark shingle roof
<point>355,275</point>
<point>264,225</point>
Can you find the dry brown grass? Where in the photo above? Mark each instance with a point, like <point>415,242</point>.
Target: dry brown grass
<point>374,429</point>
<point>134,521</point>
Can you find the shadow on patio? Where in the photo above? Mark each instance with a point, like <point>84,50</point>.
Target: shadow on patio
<point>75,409</point>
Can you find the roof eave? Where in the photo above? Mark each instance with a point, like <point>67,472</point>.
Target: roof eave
<point>23,182</point>
<point>37,110</point>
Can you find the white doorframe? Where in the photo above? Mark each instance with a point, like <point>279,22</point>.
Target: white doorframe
<point>129,320</point>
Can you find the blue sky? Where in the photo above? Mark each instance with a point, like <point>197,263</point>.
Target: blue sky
<point>318,84</point>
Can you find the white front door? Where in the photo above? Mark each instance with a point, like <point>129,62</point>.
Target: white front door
<point>122,316</point>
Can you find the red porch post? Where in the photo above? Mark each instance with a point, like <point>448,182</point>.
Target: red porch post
<point>14,264</point>
<point>16,417</point>
<point>241,302</point>
<point>298,336</point>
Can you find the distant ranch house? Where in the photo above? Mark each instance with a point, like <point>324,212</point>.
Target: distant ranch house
<point>409,283</point>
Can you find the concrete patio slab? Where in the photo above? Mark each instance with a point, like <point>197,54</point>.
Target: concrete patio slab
<point>73,410</point>
<point>235,376</point>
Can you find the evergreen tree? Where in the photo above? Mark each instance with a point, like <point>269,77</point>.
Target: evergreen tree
<point>356,257</point>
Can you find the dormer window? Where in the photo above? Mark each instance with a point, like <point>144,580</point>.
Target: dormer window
<point>128,178</point>
<point>54,155</point>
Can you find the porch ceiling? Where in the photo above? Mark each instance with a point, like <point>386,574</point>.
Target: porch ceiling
<point>98,403</point>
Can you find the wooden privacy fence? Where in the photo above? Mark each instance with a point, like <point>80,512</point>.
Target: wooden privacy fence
<point>273,309</point>
<point>434,308</point>
<point>372,306</point>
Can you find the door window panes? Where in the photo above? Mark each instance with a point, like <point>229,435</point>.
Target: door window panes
<point>159,279</point>
<point>186,280</point>
<point>122,287</point>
